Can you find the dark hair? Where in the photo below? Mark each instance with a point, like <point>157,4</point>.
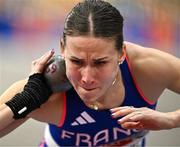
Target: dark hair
<point>97,18</point>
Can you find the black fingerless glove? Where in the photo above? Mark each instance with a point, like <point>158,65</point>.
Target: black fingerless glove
<point>35,93</point>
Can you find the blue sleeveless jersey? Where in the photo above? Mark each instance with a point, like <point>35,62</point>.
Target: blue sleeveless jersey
<point>83,126</point>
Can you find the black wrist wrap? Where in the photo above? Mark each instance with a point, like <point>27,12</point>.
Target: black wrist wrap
<point>35,93</point>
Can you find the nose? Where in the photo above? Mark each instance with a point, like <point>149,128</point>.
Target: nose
<point>88,75</point>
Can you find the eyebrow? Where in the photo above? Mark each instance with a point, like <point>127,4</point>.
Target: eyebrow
<point>73,57</point>
<point>98,59</point>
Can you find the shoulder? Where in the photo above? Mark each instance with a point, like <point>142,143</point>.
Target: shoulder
<point>137,52</point>
<point>153,69</point>
<point>147,59</point>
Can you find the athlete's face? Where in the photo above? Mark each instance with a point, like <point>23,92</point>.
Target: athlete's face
<point>91,65</point>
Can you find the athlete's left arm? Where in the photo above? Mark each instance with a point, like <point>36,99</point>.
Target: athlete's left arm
<point>174,72</point>
<point>145,118</point>
<point>174,84</point>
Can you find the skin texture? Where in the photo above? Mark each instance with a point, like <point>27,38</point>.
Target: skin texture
<point>85,63</point>
<point>7,122</point>
<point>93,82</point>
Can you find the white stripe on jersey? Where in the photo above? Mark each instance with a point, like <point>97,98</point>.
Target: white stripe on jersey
<point>48,138</point>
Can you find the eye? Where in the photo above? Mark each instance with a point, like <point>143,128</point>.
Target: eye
<point>77,62</point>
<point>98,63</point>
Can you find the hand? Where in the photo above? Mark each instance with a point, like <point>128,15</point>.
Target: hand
<point>38,65</point>
<point>142,118</point>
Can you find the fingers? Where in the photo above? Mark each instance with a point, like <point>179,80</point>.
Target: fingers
<point>45,58</point>
<point>130,116</point>
<point>121,111</point>
<point>39,64</point>
<point>133,117</point>
<point>132,125</point>
<point>120,108</point>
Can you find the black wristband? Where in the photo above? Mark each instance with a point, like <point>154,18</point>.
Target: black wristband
<point>35,93</point>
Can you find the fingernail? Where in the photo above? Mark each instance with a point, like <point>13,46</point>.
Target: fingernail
<point>111,110</point>
<point>119,120</point>
<point>113,114</point>
<point>52,51</point>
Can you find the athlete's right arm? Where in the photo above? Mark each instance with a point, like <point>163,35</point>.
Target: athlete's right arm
<point>24,96</point>
<point>7,122</point>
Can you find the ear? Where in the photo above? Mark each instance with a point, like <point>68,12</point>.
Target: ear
<point>122,55</point>
<point>62,47</point>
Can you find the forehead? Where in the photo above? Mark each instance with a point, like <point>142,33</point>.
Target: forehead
<point>88,44</point>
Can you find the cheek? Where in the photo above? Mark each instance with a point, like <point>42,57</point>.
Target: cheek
<point>107,75</point>
<point>103,76</point>
<point>72,74</point>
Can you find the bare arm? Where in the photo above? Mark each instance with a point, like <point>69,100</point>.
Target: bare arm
<point>6,116</point>
<point>174,85</point>
<point>168,69</point>
<point>7,123</point>
<point>154,71</point>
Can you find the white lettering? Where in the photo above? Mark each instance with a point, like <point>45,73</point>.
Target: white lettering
<point>82,137</point>
<point>101,136</point>
<point>65,134</point>
<point>116,130</point>
<point>104,137</point>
